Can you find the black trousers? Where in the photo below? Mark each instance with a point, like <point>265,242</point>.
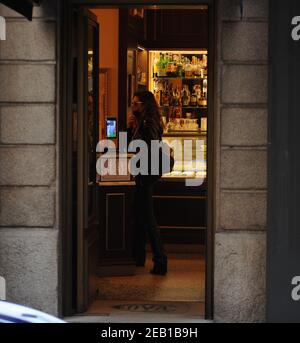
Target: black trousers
<point>144,222</point>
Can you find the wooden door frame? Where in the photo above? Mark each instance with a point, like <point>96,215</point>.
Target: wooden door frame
<point>66,9</point>
<point>85,20</point>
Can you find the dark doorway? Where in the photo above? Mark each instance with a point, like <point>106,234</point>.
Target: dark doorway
<point>81,131</point>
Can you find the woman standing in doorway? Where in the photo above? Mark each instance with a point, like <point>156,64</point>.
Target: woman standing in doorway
<point>146,124</point>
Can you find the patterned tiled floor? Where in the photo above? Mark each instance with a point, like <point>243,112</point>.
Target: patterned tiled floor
<point>104,311</point>
<point>177,297</point>
<point>185,281</point>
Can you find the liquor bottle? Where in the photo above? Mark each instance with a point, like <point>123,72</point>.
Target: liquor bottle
<point>169,69</point>
<point>204,86</point>
<point>182,62</point>
<point>179,71</point>
<point>176,62</point>
<point>166,59</point>
<point>157,93</point>
<point>157,97</point>
<point>165,96</point>
<point>161,66</point>
<point>203,101</point>
<point>194,66</point>
<point>155,66</point>
<point>185,96</point>
<point>204,61</point>
<point>197,89</point>
<point>194,99</point>
<point>198,68</point>
<point>199,98</point>
<point>188,70</point>
<point>171,93</point>
<point>90,64</point>
<point>176,97</point>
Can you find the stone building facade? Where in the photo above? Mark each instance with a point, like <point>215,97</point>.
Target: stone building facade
<point>241,170</point>
<point>29,155</point>
<point>30,230</point>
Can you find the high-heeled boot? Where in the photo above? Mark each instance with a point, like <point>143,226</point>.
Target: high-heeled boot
<point>159,268</point>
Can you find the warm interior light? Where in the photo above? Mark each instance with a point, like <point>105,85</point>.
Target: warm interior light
<point>182,52</point>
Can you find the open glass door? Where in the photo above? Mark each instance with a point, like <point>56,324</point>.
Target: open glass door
<point>87,133</point>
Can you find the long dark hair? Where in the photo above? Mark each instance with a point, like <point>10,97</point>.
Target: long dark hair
<point>150,110</point>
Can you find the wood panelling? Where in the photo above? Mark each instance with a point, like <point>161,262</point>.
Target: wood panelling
<point>116,230</point>
<point>176,29</point>
<point>180,212</point>
<point>115,224</point>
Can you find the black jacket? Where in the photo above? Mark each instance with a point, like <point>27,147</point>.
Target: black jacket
<point>146,132</point>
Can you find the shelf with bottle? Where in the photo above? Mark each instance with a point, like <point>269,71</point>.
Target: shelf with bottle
<point>177,77</point>
<point>186,107</point>
<point>182,125</point>
<point>179,64</point>
<point>176,121</point>
<point>185,92</point>
<point>180,85</point>
<point>183,95</point>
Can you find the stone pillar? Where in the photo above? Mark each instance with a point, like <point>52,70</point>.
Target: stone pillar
<point>29,158</point>
<point>241,131</point>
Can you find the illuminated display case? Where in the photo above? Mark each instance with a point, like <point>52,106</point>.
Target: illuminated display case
<point>189,154</point>
<point>178,79</point>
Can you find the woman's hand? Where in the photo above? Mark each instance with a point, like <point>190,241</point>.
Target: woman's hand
<point>132,122</point>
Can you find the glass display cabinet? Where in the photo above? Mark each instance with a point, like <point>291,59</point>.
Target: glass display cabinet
<point>179,81</point>
<point>189,155</point>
